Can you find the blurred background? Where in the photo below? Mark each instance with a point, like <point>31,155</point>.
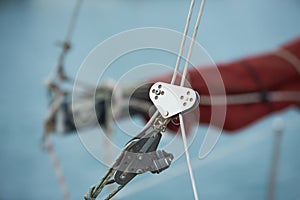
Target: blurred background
<point>239,166</point>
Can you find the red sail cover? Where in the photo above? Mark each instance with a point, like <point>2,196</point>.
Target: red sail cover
<point>274,71</point>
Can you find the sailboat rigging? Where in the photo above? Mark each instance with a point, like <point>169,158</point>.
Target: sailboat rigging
<point>140,154</point>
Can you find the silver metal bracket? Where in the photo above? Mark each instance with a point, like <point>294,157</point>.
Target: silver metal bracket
<point>172,99</point>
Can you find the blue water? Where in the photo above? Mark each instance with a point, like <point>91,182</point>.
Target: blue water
<point>239,166</point>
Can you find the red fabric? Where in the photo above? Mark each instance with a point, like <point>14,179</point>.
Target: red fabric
<point>252,74</point>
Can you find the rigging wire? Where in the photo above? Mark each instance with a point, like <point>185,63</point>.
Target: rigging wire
<point>186,28</point>
<point>59,73</point>
<point>66,44</point>
<point>278,128</point>
<point>181,84</point>
<point>74,19</point>
<point>284,54</point>
<point>58,170</point>
<point>192,42</point>
<point>187,155</point>
<point>183,77</point>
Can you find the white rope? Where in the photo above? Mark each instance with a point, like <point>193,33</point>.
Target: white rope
<point>188,157</point>
<point>186,28</point>
<point>73,20</point>
<point>192,42</point>
<point>183,80</point>
<point>181,84</point>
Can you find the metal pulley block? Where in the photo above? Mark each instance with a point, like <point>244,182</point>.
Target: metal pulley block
<point>171,99</point>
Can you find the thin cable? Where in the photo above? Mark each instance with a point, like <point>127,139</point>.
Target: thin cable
<point>66,44</point>
<point>57,169</point>
<point>156,114</point>
<point>59,72</point>
<point>186,28</point>
<point>192,43</point>
<point>181,84</point>
<point>187,155</point>
<point>73,20</point>
<point>278,128</point>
